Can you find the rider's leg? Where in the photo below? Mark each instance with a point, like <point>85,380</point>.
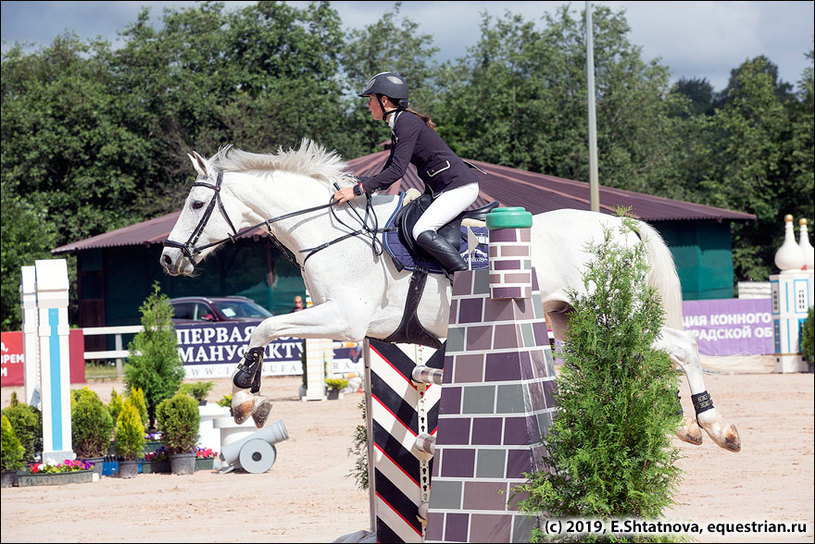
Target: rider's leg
<point>441,211</point>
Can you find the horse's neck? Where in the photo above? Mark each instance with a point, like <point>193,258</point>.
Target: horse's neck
<point>273,195</point>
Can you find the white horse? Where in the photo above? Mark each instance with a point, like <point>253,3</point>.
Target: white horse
<point>357,292</point>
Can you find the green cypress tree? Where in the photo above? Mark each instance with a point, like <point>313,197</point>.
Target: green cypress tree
<point>154,365</point>
<point>609,445</point>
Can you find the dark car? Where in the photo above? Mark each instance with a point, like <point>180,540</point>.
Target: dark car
<point>215,309</point>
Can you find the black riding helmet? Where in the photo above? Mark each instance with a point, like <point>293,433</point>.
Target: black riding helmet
<point>389,84</point>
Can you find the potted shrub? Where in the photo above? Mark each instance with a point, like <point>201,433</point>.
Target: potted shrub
<point>198,391</point>
<point>178,420</point>
<point>335,385</point>
<point>226,402</point>
<point>91,428</point>
<point>11,453</point>
<point>129,440</point>
<point>27,424</point>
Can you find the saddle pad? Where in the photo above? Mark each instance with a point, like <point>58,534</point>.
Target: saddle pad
<point>404,259</point>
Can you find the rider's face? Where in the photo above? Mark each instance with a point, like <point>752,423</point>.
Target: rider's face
<point>373,107</point>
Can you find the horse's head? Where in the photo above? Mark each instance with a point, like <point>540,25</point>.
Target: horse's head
<point>203,224</point>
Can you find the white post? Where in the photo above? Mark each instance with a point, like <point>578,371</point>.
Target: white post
<point>53,330</point>
<point>316,354</point>
<point>594,183</point>
<point>31,365</point>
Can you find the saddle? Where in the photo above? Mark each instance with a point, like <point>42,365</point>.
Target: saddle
<point>399,235</point>
<point>401,246</point>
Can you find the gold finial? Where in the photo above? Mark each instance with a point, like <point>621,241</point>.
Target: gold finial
<point>788,218</point>
<point>802,222</point>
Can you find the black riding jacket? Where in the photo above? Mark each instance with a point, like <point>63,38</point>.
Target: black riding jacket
<point>412,141</point>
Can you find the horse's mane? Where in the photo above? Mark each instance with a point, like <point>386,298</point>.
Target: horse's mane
<point>311,160</point>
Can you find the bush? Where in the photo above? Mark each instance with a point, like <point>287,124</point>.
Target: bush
<point>178,420</point>
<point>11,451</point>
<point>115,405</point>
<point>91,425</point>
<point>27,424</point>
<point>137,400</point>
<point>197,390</point>
<point>129,433</point>
<point>609,446</point>
<point>155,366</point>
<point>336,383</point>
<point>808,336</point>
<point>226,401</point>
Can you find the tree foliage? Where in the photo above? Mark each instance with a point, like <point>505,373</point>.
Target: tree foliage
<point>94,139</point>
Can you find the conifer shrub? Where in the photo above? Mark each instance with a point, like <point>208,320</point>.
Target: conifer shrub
<point>609,447</point>
<point>808,336</point>
<point>137,400</point>
<point>154,365</point>
<point>129,433</point>
<point>26,421</point>
<point>11,451</point>
<point>197,390</point>
<point>178,420</point>
<point>91,425</point>
<point>115,405</point>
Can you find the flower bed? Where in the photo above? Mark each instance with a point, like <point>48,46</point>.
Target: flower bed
<point>156,461</point>
<point>67,472</point>
<point>204,459</point>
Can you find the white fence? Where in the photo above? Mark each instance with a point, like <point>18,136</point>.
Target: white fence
<point>119,353</point>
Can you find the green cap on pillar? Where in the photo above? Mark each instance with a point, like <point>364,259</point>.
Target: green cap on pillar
<point>509,218</point>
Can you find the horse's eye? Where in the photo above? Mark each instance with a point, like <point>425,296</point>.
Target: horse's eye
<point>197,205</point>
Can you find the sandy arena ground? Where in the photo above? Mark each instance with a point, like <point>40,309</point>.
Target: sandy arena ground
<point>307,497</point>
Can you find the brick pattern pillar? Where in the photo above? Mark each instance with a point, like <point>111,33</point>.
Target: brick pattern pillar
<point>496,401</point>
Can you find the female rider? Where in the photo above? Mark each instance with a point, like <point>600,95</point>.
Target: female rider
<point>453,185</point>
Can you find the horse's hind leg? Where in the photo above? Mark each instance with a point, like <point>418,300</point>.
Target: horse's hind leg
<point>681,347</point>
<point>689,431</point>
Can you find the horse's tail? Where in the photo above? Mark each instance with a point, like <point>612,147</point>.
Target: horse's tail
<point>663,276</point>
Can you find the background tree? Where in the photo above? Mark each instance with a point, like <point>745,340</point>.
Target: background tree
<point>154,365</point>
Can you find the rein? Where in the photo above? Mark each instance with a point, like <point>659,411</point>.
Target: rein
<point>190,250</point>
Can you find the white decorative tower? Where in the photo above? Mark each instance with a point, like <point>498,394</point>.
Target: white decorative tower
<point>791,299</point>
<point>809,257</point>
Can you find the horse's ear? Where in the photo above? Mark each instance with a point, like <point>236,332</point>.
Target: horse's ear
<point>200,164</point>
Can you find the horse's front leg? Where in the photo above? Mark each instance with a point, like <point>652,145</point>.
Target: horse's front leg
<point>323,321</point>
<point>682,349</point>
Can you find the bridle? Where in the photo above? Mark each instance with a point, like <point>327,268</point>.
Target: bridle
<point>190,250</point>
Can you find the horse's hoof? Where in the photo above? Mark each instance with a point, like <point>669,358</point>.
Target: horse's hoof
<point>732,440</point>
<point>689,437</point>
<point>243,402</point>
<point>690,432</point>
<point>261,412</point>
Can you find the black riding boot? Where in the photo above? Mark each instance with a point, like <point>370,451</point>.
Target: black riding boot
<point>442,250</point>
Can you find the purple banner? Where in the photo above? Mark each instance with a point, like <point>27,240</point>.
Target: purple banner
<point>730,326</point>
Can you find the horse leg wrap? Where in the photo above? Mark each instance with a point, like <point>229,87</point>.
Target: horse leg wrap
<point>702,402</point>
<point>248,373</point>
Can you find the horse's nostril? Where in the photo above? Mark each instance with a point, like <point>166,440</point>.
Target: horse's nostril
<point>166,260</point>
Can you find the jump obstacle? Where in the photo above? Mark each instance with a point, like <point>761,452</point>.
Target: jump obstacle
<point>451,431</point>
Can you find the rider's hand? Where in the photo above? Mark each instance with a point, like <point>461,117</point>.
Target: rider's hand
<point>344,195</point>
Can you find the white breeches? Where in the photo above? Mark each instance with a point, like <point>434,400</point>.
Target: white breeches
<point>445,207</point>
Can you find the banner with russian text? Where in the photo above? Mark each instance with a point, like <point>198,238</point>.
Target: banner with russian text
<point>730,326</point>
<point>214,350</point>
